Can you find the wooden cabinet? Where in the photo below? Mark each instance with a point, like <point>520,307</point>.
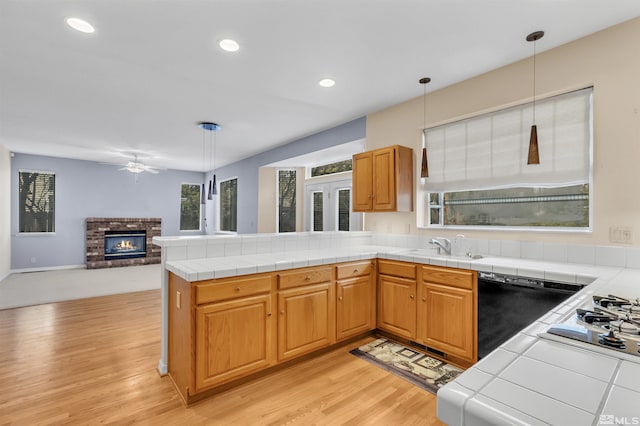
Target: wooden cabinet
<point>306,311</point>
<point>397,298</point>
<point>220,330</point>
<point>233,338</point>
<point>447,313</point>
<point>383,180</point>
<point>355,294</point>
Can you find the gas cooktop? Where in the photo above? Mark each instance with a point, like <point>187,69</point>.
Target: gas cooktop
<point>610,322</point>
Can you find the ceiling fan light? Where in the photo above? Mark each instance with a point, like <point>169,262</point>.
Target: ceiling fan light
<point>80,25</point>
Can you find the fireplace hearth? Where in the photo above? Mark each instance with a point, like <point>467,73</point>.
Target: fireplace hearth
<point>113,242</point>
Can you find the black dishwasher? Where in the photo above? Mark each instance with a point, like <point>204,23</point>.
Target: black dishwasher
<point>507,304</point>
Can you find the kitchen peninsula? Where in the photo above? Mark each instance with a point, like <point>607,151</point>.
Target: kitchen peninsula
<point>504,386</point>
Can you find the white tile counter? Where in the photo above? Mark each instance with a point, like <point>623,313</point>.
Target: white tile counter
<point>546,379</point>
<point>528,380</point>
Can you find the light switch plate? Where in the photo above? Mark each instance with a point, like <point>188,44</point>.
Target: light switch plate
<point>621,234</point>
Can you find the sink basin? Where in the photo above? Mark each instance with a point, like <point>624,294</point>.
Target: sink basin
<point>433,254</point>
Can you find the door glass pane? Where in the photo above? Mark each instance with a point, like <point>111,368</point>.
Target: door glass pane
<point>344,209</point>
<point>318,199</point>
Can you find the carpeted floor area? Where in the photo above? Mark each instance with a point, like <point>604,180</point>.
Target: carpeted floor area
<point>420,369</point>
<point>36,288</point>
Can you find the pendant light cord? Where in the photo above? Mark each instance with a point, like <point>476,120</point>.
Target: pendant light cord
<point>534,82</point>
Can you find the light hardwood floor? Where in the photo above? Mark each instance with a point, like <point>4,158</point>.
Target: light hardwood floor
<point>92,361</point>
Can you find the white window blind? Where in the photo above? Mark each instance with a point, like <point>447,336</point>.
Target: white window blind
<point>490,150</point>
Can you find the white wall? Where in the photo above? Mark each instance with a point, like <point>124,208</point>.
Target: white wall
<point>608,60</point>
<point>5,212</point>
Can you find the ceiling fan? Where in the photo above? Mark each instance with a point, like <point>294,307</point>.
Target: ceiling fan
<point>135,166</point>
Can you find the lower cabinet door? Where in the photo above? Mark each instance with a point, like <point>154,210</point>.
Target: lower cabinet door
<point>447,320</point>
<point>233,339</point>
<point>306,319</point>
<point>354,307</point>
<point>397,306</point>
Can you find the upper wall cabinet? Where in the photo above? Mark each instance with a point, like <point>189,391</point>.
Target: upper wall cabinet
<point>383,180</point>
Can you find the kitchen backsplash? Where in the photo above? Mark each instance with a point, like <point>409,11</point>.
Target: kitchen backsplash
<point>181,248</point>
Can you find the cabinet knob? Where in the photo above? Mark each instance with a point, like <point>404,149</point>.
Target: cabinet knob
<point>307,278</point>
<point>269,314</point>
<point>355,271</point>
<point>340,298</point>
<point>424,299</point>
<point>411,296</point>
<point>282,312</point>
<point>237,289</point>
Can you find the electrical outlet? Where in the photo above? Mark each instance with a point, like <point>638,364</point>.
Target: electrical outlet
<point>33,260</point>
<point>621,234</point>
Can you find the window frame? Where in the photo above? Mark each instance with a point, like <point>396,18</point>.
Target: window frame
<point>337,175</point>
<point>36,233</point>
<point>199,186</point>
<point>219,215</point>
<point>423,213</point>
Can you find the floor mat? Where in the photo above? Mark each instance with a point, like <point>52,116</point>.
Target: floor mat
<point>420,369</point>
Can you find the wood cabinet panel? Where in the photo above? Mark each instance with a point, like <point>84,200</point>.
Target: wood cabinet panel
<point>233,338</point>
<point>355,306</point>
<point>450,277</point>
<point>304,276</point>
<point>216,290</point>
<point>383,180</point>
<point>397,269</point>
<point>353,269</point>
<point>397,305</point>
<point>447,320</point>
<point>306,319</point>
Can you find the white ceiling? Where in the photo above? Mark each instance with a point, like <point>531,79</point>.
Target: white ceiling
<point>153,68</point>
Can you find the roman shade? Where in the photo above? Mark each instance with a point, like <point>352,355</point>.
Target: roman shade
<point>490,150</point>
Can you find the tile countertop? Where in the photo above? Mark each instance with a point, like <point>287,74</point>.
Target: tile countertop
<point>530,379</point>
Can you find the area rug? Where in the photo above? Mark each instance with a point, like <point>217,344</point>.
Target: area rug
<point>421,370</point>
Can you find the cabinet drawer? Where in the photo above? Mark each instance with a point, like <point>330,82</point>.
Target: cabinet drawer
<point>305,276</point>
<point>397,269</point>
<point>232,288</point>
<point>449,277</point>
<point>354,269</point>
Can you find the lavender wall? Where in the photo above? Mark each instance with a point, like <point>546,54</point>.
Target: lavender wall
<point>89,189</point>
<point>5,219</point>
<point>247,170</point>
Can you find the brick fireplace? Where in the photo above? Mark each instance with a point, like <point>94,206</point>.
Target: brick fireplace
<point>101,229</point>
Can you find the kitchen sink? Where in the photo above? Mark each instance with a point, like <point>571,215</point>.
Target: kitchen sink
<point>433,254</point>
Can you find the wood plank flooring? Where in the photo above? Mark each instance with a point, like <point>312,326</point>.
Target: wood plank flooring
<point>93,361</point>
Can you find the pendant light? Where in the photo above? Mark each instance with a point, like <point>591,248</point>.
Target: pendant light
<point>534,155</point>
<point>211,128</point>
<point>424,169</point>
<point>202,196</point>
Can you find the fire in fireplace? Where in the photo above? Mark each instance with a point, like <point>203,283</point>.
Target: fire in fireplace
<point>124,244</point>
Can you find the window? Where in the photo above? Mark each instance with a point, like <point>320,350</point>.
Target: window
<point>36,192</point>
<point>478,174</point>
<point>286,201</point>
<point>318,211</point>
<point>229,205</point>
<point>344,208</point>
<point>328,169</point>
<point>190,207</point>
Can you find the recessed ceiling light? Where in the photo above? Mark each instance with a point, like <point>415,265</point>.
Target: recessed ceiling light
<point>327,82</point>
<point>80,25</point>
<point>229,45</point>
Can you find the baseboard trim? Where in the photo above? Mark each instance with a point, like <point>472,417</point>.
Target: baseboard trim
<point>46,268</point>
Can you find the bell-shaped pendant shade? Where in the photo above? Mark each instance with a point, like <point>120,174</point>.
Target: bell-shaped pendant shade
<point>202,196</point>
<point>215,190</point>
<point>424,170</point>
<point>210,194</point>
<point>534,156</point>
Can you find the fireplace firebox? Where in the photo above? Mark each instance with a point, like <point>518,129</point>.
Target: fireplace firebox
<point>124,244</point>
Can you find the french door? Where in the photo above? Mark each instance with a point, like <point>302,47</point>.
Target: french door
<point>327,207</point>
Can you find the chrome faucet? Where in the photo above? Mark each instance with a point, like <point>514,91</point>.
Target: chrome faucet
<point>442,243</point>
